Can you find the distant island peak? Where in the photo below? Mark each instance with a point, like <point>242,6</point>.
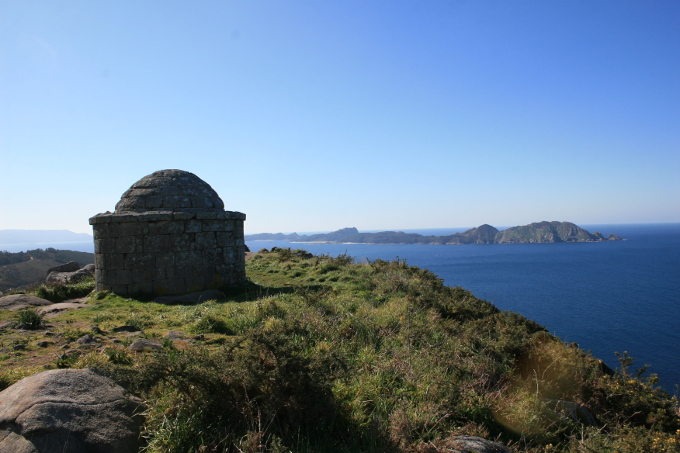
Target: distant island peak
<point>534,233</point>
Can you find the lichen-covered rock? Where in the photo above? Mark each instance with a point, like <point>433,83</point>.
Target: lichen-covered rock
<point>68,411</point>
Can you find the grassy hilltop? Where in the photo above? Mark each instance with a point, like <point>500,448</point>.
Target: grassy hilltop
<point>319,354</point>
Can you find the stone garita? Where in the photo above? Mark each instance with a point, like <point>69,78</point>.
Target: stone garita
<point>169,235</point>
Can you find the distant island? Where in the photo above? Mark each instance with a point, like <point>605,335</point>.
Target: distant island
<point>534,233</point>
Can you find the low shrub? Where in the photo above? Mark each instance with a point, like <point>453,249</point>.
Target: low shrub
<point>30,319</point>
<point>262,385</point>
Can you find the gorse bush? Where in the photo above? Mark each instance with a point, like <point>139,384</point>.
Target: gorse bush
<point>263,385</point>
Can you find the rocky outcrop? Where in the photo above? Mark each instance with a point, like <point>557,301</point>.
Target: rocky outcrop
<point>50,311</point>
<point>68,411</point>
<point>64,278</point>
<point>71,266</point>
<point>21,301</point>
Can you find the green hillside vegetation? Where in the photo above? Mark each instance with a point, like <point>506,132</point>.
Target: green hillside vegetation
<point>539,232</point>
<point>25,268</point>
<point>320,354</point>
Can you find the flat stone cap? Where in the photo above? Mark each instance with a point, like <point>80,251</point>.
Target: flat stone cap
<point>170,190</point>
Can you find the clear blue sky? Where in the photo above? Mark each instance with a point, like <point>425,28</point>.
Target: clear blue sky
<point>316,115</point>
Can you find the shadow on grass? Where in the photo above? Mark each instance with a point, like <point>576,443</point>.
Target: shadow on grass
<point>251,291</point>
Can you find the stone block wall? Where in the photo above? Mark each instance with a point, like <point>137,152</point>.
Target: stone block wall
<point>168,253</point>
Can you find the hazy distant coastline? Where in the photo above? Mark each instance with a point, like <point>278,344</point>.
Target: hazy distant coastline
<point>41,236</point>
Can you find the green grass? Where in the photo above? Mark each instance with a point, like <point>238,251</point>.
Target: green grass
<point>58,293</point>
<point>324,355</point>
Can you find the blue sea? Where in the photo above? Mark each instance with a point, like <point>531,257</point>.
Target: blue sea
<point>606,296</point>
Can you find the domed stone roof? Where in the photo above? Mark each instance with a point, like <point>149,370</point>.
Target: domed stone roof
<point>170,190</point>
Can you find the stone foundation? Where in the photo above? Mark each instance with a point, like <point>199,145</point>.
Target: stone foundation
<point>168,253</point>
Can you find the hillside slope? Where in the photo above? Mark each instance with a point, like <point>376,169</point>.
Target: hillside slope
<point>319,354</point>
<point>24,268</point>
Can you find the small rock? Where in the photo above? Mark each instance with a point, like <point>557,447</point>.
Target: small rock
<point>175,335</point>
<point>466,444</point>
<point>142,344</point>
<point>43,344</point>
<point>19,347</point>
<point>87,339</point>
<point>96,330</point>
